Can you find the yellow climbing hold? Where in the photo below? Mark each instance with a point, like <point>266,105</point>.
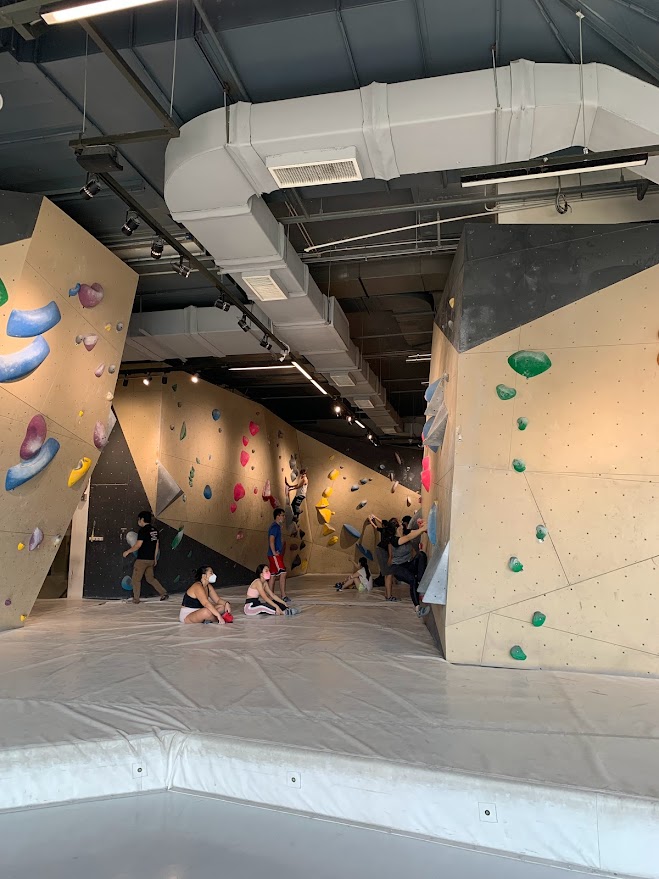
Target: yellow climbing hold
<point>327,530</point>
<point>108,327</point>
<point>328,491</point>
<point>333,474</point>
<point>21,546</point>
<point>323,502</point>
<point>332,457</point>
<point>332,540</point>
<point>451,302</point>
<point>79,471</point>
<point>303,566</point>
<point>325,515</point>
<point>23,617</point>
<point>80,413</point>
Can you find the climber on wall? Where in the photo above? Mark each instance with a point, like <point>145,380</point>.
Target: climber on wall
<point>300,489</point>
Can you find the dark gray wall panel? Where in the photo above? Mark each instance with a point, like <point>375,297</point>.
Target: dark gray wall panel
<point>18,215</point>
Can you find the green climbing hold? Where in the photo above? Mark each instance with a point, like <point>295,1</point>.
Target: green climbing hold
<point>541,532</point>
<point>177,578</point>
<point>184,432</point>
<point>178,537</point>
<point>522,423</point>
<point>538,619</point>
<point>190,554</point>
<point>175,387</point>
<point>529,363</point>
<point>197,461</point>
<point>517,653</point>
<point>515,565</point>
<point>519,465</point>
<point>505,393</point>
<point>4,296</point>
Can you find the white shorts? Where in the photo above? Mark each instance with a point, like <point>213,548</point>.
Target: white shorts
<point>185,612</point>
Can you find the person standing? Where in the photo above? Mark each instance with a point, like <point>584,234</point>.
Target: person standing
<point>147,547</point>
<point>402,565</point>
<point>300,488</point>
<point>385,530</point>
<point>276,552</point>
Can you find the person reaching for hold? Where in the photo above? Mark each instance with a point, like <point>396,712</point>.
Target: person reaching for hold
<point>300,488</point>
<point>261,599</point>
<point>201,603</point>
<point>401,564</point>
<point>385,529</point>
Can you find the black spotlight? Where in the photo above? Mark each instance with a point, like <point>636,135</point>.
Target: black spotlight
<point>222,304</point>
<point>91,188</point>
<point>125,383</point>
<point>243,323</point>
<point>182,268</point>
<point>164,379</point>
<point>157,247</point>
<point>131,224</point>
<point>265,343</point>
<point>146,380</point>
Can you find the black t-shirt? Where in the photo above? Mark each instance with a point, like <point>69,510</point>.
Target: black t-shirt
<point>385,539</point>
<point>149,537</point>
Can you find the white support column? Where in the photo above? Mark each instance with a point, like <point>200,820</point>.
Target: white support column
<point>78,546</point>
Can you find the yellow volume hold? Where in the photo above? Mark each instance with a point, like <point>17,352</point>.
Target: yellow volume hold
<point>79,471</point>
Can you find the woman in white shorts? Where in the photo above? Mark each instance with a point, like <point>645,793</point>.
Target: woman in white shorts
<point>201,603</point>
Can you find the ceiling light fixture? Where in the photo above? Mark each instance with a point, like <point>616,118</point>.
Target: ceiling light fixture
<point>157,248</point>
<point>124,383</point>
<point>146,380</point>
<point>265,343</point>
<point>419,358</point>
<point>284,354</point>
<point>546,167</point>
<point>164,379</point>
<point>349,418</point>
<point>254,368</point>
<point>337,409</point>
<point>182,268</point>
<point>87,10</point>
<point>91,188</point>
<point>194,378</point>
<point>131,224</point>
<point>307,376</point>
<point>243,323</point>
<point>222,304</point>
<point>359,424</point>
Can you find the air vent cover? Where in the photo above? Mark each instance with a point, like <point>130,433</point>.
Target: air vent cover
<point>264,287</point>
<point>315,168</point>
<point>342,379</point>
<point>364,403</point>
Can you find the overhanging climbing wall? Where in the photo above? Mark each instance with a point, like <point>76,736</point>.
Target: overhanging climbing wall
<point>65,301</point>
<point>554,546</point>
<point>213,466</point>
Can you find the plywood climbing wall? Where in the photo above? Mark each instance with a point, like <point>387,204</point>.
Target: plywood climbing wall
<point>61,341</point>
<point>214,464</point>
<point>556,464</point>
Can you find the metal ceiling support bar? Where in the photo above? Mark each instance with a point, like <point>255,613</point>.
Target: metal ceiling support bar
<point>419,32</point>
<point>131,78</point>
<point>236,86</point>
<point>604,29</point>
<point>124,137</point>
<point>346,43</point>
<point>497,29</point>
<point>555,31</point>
<point>641,10</point>
<point>195,263</point>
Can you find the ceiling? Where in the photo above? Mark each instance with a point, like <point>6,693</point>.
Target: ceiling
<point>58,85</point>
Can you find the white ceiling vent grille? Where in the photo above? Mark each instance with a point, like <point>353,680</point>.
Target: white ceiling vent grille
<point>314,168</point>
<point>264,287</point>
<point>342,380</point>
<point>364,403</point>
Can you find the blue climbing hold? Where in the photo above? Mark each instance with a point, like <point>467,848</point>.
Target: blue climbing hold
<point>208,492</point>
<point>430,390</point>
<point>361,549</point>
<point>216,414</point>
<point>24,324</point>
<point>127,584</point>
<point>352,530</point>
<point>74,292</point>
<point>432,524</point>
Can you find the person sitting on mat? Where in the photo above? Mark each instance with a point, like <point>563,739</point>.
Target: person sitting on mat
<point>361,579</point>
<point>201,603</point>
<point>261,599</point>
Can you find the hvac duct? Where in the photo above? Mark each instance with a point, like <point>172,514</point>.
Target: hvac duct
<point>213,184</point>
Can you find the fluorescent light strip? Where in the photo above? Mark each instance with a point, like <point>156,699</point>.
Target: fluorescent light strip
<point>359,424</point>
<point>87,10</point>
<point>559,172</point>
<point>307,376</point>
<point>254,368</point>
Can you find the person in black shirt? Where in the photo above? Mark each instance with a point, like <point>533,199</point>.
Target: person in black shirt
<point>147,546</point>
<point>386,530</point>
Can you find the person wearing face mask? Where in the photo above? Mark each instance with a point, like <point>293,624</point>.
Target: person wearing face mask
<point>201,603</point>
<point>261,599</point>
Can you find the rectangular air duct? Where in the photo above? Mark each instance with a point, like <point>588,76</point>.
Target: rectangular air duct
<point>264,287</point>
<point>314,168</point>
<point>342,380</point>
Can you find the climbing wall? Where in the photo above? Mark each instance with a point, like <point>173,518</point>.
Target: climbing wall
<point>213,466</point>
<point>64,304</point>
<point>554,545</point>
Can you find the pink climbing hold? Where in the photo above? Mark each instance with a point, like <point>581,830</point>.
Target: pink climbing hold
<point>35,436</point>
<point>100,436</point>
<point>253,428</point>
<point>245,441</point>
<point>425,479</point>
<point>244,458</point>
<point>425,464</point>
<point>90,342</point>
<point>233,508</point>
<point>267,490</point>
<point>100,369</point>
<point>238,492</point>
<point>256,491</point>
<point>90,295</point>
<point>239,535</point>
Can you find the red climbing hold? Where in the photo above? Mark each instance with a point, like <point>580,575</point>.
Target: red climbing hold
<point>425,479</point>
<point>253,428</point>
<point>245,440</point>
<point>233,508</point>
<point>244,458</point>
<point>238,492</point>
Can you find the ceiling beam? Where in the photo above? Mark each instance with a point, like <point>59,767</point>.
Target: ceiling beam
<point>236,87</point>
<point>346,43</point>
<point>555,31</point>
<point>640,10</point>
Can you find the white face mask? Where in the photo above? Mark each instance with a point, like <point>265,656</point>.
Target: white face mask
<point>212,578</point>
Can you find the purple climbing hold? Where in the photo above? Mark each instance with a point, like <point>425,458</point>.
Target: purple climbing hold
<point>90,295</point>
<point>35,436</point>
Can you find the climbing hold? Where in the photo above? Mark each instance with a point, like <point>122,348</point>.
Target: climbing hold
<point>519,465</point>
<point>505,393</point>
<point>4,296</point>
<point>522,423</point>
<point>35,436</point>
<point>291,462</point>
<point>517,653</point>
<point>177,578</point>
<point>172,426</point>
<point>529,363</point>
<point>215,414</point>
<point>425,463</point>
<point>208,492</point>
<point>239,535</point>
<point>174,387</point>
<point>302,545</point>
<point>323,502</point>
<point>327,530</point>
<point>119,326</point>
<point>245,441</point>
<point>432,524</point>
<point>73,291</point>
<point>191,475</point>
<point>361,549</point>
<point>20,364</point>
<point>23,617</point>
<point>238,492</point>
<point>100,369</point>
<point>540,533</point>
<point>253,428</point>
<point>354,488</point>
<point>425,479</point>
<point>100,435</point>
<point>297,561</point>
<point>23,324</point>
<point>189,553</point>
<point>515,565</point>
<point>79,340</point>
<point>127,584</point>
<point>267,490</point>
<point>112,369</point>
<point>244,458</point>
<point>325,514</point>
<point>131,538</point>
<point>351,530</point>
<point>408,502</point>
<point>328,491</point>
<point>197,461</point>
<point>381,466</point>
<point>394,485</point>
<point>333,540</point>
<point>183,432</point>
<point>333,474</point>
<point>26,470</point>
<point>363,481</point>
<point>293,547</point>
<point>179,405</point>
<point>57,539</point>
<point>7,602</point>
<point>80,413</point>
<point>538,619</point>
<point>361,505</point>
<point>178,537</point>
<point>79,471</point>
<point>397,457</point>
<point>20,547</point>
<point>90,295</point>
